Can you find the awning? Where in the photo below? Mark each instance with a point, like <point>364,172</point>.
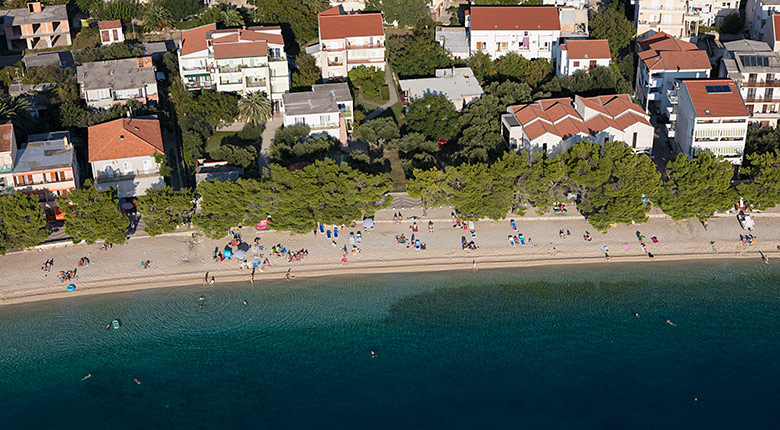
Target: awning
<point>198,75</point>
<point>59,216</point>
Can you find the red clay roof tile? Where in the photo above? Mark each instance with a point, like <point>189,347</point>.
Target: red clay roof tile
<point>515,18</point>
<point>125,138</point>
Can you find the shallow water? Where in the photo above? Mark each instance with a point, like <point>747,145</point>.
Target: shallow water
<point>516,348</point>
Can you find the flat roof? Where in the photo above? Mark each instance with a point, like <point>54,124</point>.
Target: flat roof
<point>22,16</point>
<point>452,83</point>
<point>453,39</point>
<point>115,74</point>
<point>45,152</point>
<point>323,98</point>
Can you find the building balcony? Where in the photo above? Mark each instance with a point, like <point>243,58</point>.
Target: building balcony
<point>7,168</point>
<point>365,60</point>
<point>335,63</point>
<point>762,100</point>
<point>655,82</point>
<point>654,96</point>
<point>374,46</point>
<point>103,177</point>
<point>760,84</point>
<point>254,83</point>
<point>661,8</point>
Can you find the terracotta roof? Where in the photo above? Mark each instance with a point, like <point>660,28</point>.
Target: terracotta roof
<point>353,25</point>
<point>105,25</point>
<point>238,50</point>
<point>676,60</point>
<point>6,136</point>
<point>515,18</point>
<point>559,116</point>
<point>587,49</point>
<point>335,10</point>
<point>194,40</point>
<point>665,42</point>
<point>715,104</point>
<point>124,138</point>
<point>776,25</point>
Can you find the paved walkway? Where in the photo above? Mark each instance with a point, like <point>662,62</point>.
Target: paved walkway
<point>393,95</point>
<point>271,126</point>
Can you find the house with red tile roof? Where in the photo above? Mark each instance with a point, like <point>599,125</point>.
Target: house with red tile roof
<point>8,151</point>
<point>347,41</point>
<point>756,70</point>
<point>243,60</point>
<point>555,125</point>
<point>111,32</point>
<point>531,31</point>
<point>663,61</point>
<point>584,54</point>
<point>122,153</point>
<point>710,115</point>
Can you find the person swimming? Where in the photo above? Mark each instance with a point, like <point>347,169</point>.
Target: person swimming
<point>636,314</point>
<point>245,302</point>
<point>89,375</point>
<point>137,381</point>
<point>373,354</point>
<point>671,323</point>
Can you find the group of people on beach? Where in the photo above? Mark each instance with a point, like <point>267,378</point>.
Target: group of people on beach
<point>47,265</point>
<point>83,262</point>
<point>747,239</point>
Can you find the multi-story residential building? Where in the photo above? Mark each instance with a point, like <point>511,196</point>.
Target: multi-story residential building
<point>348,41</point>
<point>106,83</point>
<point>711,116</point>
<point>756,70</point>
<point>47,166</point>
<point>554,125</point>
<point>680,18</point>
<point>111,32</point>
<point>121,154</point>
<point>7,157</point>
<point>349,5</point>
<point>758,14</point>
<point>457,84</point>
<point>326,109</point>
<point>531,31</point>
<point>576,55</point>
<point>454,40</point>
<point>235,59</point>
<point>36,27</point>
<point>663,60</point>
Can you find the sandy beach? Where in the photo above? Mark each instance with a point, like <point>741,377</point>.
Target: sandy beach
<point>183,259</point>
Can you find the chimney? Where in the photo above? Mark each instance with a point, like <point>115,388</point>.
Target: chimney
<point>34,7</point>
<point>65,140</point>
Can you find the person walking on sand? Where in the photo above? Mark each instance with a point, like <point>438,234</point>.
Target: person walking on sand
<point>705,224</point>
<point>474,264</point>
<point>764,257</point>
<point>287,275</point>
<point>206,279</point>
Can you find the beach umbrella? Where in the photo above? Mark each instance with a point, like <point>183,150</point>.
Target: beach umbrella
<point>368,223</point>
<point>243,246</point>
<point>240,254</point>
<point>228,251</point>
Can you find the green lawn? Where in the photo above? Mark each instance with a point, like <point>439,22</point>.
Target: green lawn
<point>213,142</point>
<point>396,174</point>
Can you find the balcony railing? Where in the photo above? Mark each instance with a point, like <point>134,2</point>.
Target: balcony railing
<point>7,168</point>
<point>760,84</point>
<point>127,176</point>
<point>238,82</point>
<point>335,63</point>
<point>762,100</point>
<point>367,46</point>
<point>254,83</point>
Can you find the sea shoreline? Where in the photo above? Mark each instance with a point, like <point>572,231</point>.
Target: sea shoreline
<point>174,280</point>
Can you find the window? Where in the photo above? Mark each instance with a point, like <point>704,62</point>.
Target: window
<point>768,93</point>
<point>751,94</point>
<point>126,167</point>
<point>546,46</point>
<point>633,142</point>
<point>592,63</point>
<point>576,64</point>
<point>480,46</point>
<point>116,35</point>
<point>324,119</point>
<point>105,36</point>
<point>146,166</point>
<point>501,46</point>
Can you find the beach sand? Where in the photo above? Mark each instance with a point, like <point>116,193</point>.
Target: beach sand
<point>183,259</point>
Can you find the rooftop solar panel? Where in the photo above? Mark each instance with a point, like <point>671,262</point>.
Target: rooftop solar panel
<point>717,89</point>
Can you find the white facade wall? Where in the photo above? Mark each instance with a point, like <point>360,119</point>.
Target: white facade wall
<point>104,98</point>
<point>131,176</point>
<point>652,86</point>
<point>7,167</point>
<point>530,44</point>
<point>720,135</point>
<point>338,56</point>
<point>568,66</point>
<point>111,35</point>
<point>325,123</point>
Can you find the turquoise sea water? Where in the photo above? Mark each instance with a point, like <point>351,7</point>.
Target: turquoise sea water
<point>555,347</point>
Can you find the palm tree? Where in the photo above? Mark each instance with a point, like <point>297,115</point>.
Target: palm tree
<point>16,109</point>
<point>254,108</point>
<point>157,17</point>
<point>231,18</point>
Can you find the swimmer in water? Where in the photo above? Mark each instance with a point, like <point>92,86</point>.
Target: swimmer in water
<point>202,298</point>
<point>373,354</point>
<point>671,323</point>
<point>89,375</point>
<point>636,314</point>
<point>245,302</point>
<point>137,381</point>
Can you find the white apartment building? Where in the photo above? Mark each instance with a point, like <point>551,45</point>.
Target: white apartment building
<point>121,154</point>
<point>756,70</point>
<point>235,59</point>
<point>106,83</point>
<point>530,31</point>
<point>711,116</point>
<point>326,109</point>
<point>663,61</point>
<point>8,151</point>
<point>458,85</point>
<point>758,14</point>
<point>576,55</point>
<point>348,41</point>
<point>555,125</point>
<point>680,18</point>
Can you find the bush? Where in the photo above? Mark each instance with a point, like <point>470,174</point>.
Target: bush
<point>113,51</point>
<point>385,92</point>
